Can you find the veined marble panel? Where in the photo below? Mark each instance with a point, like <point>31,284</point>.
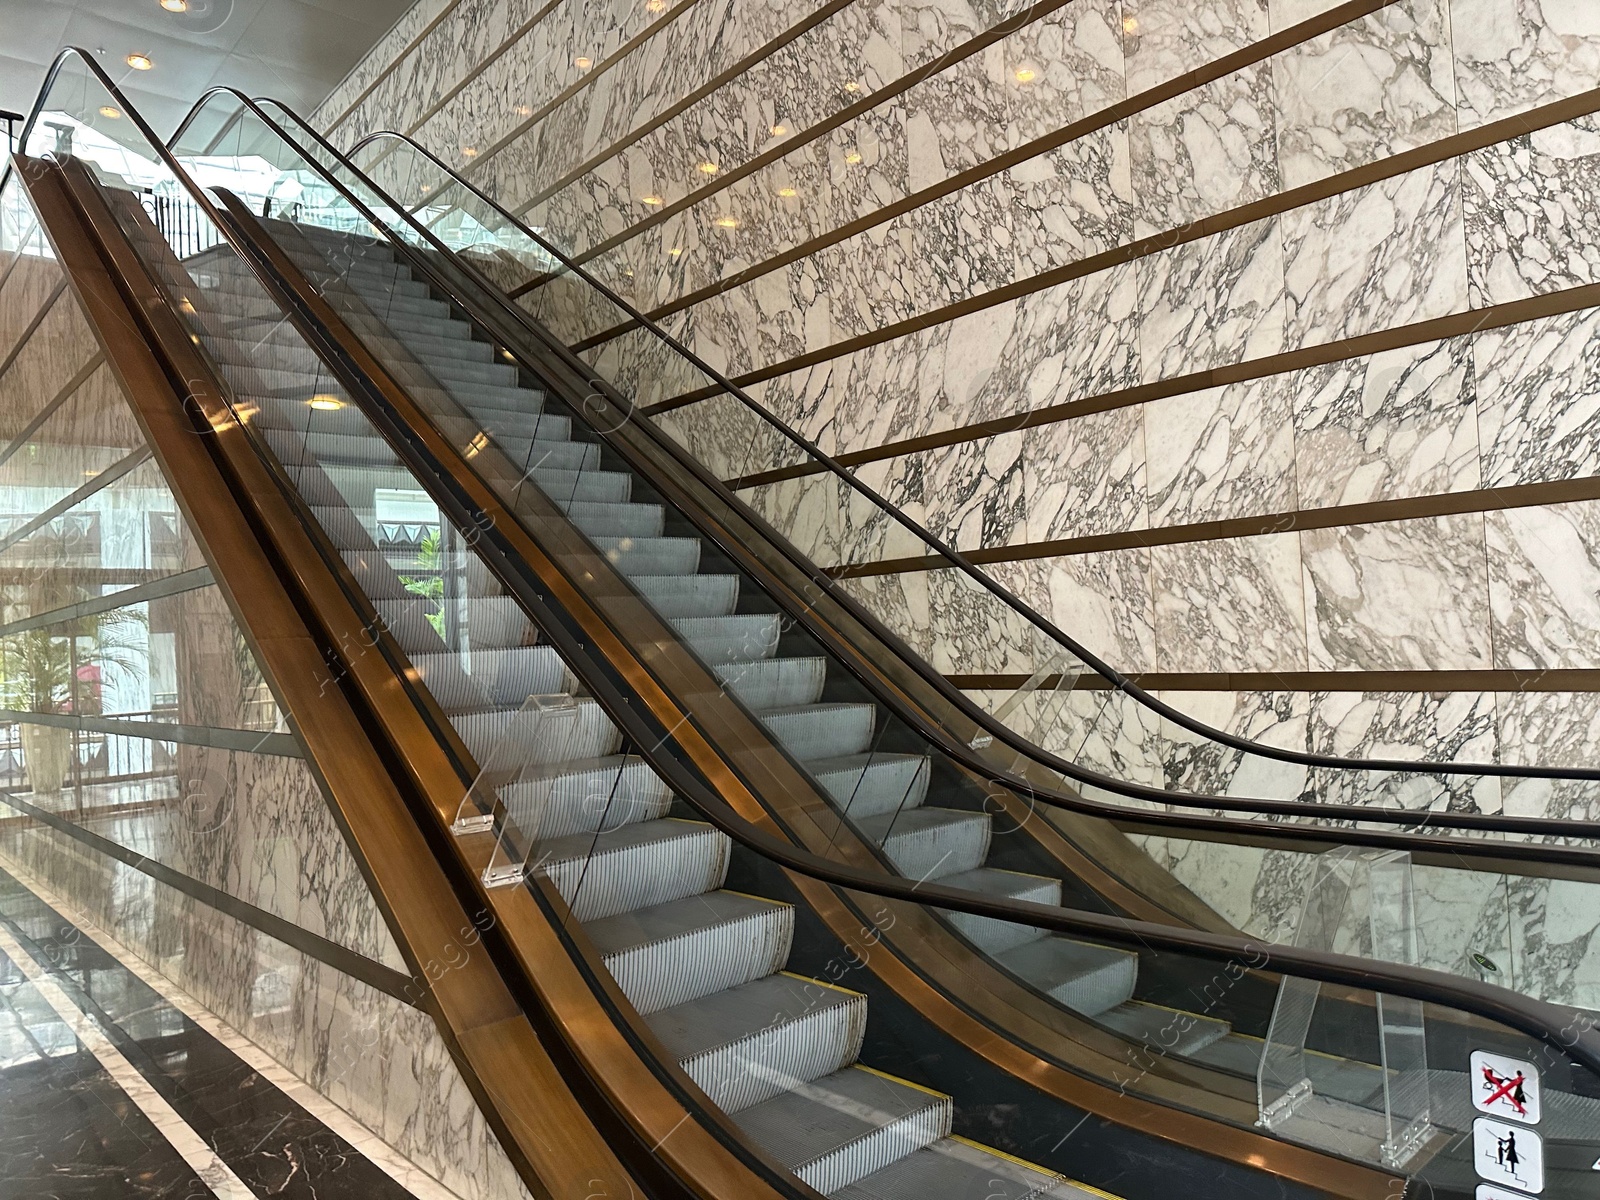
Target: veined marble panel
<point>1223,452</point>
<point>452,48</point>
<point>1234,605</point>
<point>968,495</point>
<point>1365,91</point>
<point>384,52</point>
<point>1086,475</point>
<point>1072,202</point>
<point>951,622</point>
<point>1554,729</point>
<point>1438,726</point>
<point>1165,38</point>
<point>1196,763</point>
<point>1258,892</point>
<point>1398,596</point>
<point>1076,62</point>
<point>1101,600</point>
<point>1530,205</point>
<point>1217,300</point>
<point>1544,585</point>
<point>1205,151</point>
<point>1388,254</point>
<point>1400,423</point>
<point>1539,399</point>
<point>378,1059</point>
<point>1512,55</point>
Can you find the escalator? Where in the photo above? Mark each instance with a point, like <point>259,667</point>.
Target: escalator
<point>727,793</point>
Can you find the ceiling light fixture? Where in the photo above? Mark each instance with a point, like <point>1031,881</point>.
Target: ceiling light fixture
<point>655,6</point>
<point>779,130</point>
<point>583,62</point>
<point>470,151</point>
<point>1130,25</point>
<point>852,86</point>
<point>522,110</point>
<point>652,201</point>
<point>853,157</point>
<point>727,223</point>
<point>675,251</point>
<point>787,192</point>
<point>139,62</point>
<point>323,402</point>
<point>707,168</point>
<point>107,111</point>
<point>1026,75</point>
<point>175,5</point>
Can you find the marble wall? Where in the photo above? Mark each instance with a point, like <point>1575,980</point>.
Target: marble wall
<point>1261,303</point>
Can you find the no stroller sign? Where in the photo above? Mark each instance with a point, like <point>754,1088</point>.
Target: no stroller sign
<point>1505,1087</point>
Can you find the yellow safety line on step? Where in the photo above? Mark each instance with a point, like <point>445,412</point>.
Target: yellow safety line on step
<point>1022,1162</point>
<point>900,1080</point>
<point>833,987</point>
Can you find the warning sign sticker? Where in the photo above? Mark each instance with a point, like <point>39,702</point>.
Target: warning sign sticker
<point>1505,1087</point>
<point>1511,1155</point>
<point>1490,1191</point>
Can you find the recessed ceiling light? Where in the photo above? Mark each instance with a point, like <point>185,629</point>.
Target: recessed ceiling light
<point>139,62</point>
<point>853,157</point>
<point>107,111</point>
<point>707,168</point>
<point>675,251</point>
<point>470,151</point>
<point>323,402</point>
<point>583,62</point>
<point>1130,25</point>
<point>652,201</point>
<point>852,86</point>
<point>522,110</point>
<point>655,6</point>
<point>727,223</point>
<point>175,5</point>
<point>787,192</point>
<point>779,130</point>
<point>1026,74</point>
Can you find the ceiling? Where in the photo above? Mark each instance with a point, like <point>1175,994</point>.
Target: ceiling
<point>293,50</point>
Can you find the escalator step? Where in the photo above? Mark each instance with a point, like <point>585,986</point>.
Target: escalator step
<point>689,595</point>
<point>842,1127</point>
<point>743,637</point>
<point>584,796</point>
<point>819,730</point>
<point>496,677</point>
<point>752,1042</point>
<point>865,785</point>
<point>930,843</point>
<point>988,934</point>
<point>776,682</point>
<point>679,951</point>
<point>1173,1030</point>
<point>636,866</point>
<point>1088,979</point>
<point>956,1169</point>
<point>591,735</point>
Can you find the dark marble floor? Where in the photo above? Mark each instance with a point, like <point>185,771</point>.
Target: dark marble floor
<point>68,1130</point>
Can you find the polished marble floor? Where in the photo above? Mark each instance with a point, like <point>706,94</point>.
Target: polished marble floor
<point>164,1109</point>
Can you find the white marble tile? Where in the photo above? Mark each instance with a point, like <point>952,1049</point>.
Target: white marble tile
<point>1204,152</point>
<point>1530,205</point>
<point>1213,301</point>
<point>1398,596</point>
<point>968,495</point>
<point>1073,202</point>
<point>1400,423</point>
<point>1365,91</point>
<point>1166,38</point>
<point>1102,600</point>
<point>1553,729</point>
<point>1544,585</point>
<point>1233,605</point>
<point>1086,475</point>
<point>1222,452</point>
<point>1514,54</point>
<point>1065,65</point>
<point>1538,385</point>
<point>1387,254</point>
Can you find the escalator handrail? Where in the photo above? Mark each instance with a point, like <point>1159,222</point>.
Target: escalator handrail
<point>831,466</point>
<point>1474,848</point>
<point>1566,1032</point>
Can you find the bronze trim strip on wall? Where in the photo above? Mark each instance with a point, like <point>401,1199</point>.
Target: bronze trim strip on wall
<point>1553,680</point>
<point>330,953</point>
<point>103,480</point>
<point>156,589</point>
<point>1375,512</point>
<point>829,123</point>
<point>716,82</point>
<point>37,320</point>
<point>1428,155</point>
<point>1473,320</point>
<point>394,64</point>
<point>246,741</point>
<point>68,390</point>
<point>578,85</point>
